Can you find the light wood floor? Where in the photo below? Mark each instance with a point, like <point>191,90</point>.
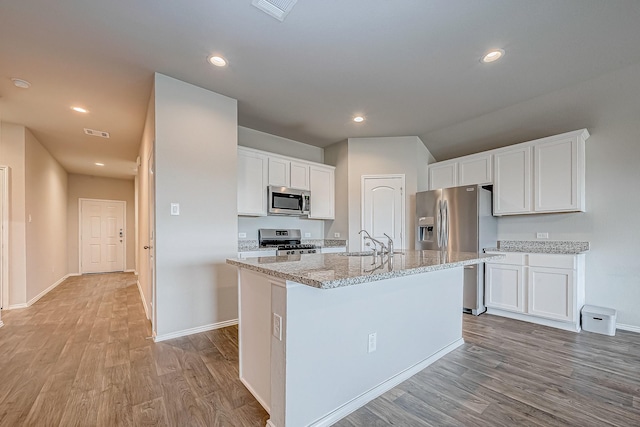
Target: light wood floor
<point>80,357</point>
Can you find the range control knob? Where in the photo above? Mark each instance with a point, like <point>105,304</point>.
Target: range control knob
<point>312,251</point>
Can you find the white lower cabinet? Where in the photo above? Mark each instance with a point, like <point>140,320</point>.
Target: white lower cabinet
<point>540,288</point>
<point>505,287</point>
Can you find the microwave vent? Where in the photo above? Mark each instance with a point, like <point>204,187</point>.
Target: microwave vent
<point>279,9</point>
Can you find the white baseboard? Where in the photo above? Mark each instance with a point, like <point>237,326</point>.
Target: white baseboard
<point>17,306</point>
<point>629,328</point>
<point>74,274</point>
<point>144,301</point>
<point>1,324</point>
<point>256,395</point>
<point>566,326</point>
<point>269,423</point>
<point>381,388</point>
<point>196,330</point>
<point>131,270</point>
<point>46,291</point>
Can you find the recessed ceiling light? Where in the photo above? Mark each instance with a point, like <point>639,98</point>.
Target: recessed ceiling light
<point>80,110</point>
<point>22,84</point>
<point>492,55</point>
<point>99,164</point>
<point>358,119</point>
<point>218,61</point>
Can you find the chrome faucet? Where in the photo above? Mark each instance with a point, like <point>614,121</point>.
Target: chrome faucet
<point>389,244</point>
<point>383,248</point>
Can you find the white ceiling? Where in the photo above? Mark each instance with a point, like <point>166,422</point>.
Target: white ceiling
<point>410,66</point>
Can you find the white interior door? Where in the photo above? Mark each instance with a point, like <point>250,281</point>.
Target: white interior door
<point>151,181</point>
<point>383,208</point>
<point>102,236</point>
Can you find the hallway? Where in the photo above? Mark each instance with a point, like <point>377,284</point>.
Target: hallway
<point>81,356</point>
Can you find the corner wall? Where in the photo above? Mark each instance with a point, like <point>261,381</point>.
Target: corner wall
<point>196,137</point>
<point>46,210</point>
<point>94,187</point>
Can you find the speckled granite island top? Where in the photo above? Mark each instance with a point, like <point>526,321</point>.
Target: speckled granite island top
<point>327,271</point>
<point>561,247</point>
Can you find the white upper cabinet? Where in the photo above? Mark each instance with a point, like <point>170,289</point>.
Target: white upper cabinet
<point>252,183</point>
<point>288,173</point>
<point>279,172</point>
<point>468,170</point>
<point>323,188</point>
<point>259,169</point>
<point>559,175</point>
<point>299,176</point>
<point>475,170</point>
<point>443,175</point>
<point>542,176</point>
<point>512,182</point>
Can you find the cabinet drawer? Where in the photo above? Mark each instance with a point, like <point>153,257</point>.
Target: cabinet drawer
<point>510,258</point>
<point>552,261</point>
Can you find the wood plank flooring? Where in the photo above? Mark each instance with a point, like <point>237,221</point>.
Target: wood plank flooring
<point>81,357</point>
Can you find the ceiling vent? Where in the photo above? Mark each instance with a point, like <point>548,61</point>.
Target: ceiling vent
<point>279,9</point>
<point>100,133</point>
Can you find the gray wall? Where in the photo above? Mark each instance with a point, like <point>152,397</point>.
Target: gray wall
<point>609,107</point>
<point>374,156</point>
<point>275,144</point>
<point>196,150</point>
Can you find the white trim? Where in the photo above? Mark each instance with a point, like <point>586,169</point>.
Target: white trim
<point>144,301</point>
<point>567,326</point>
<point>1,323</point>
<point>629,328</point>
<point>195,330</point>
<point>17,306</point>
<point>256,396</point>
<point>124,228</point>
<point>130,270</point>
<point>381,388</point>
<point>269,423</point>
<point>74,274</point>
<point>4,237</point>
<point>46,291</point>
<point>402,176</point>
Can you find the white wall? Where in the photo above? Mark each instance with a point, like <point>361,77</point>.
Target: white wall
<point>95,187</point>
<point>196,161</point>
<point>275,144</point>
<point>46,210</point>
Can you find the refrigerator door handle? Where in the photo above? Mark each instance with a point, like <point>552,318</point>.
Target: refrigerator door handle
<point>445,225</point>
<point>439,224</point>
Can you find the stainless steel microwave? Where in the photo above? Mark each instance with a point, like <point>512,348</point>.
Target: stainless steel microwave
<point>288,201</point>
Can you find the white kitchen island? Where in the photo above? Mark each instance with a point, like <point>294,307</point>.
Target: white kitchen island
<point>323,334</point>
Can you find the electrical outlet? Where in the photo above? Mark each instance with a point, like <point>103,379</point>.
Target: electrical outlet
<point>175,208</point>
<point>277,326</point>
<point>336,234</point>
<point>242,235</point>
<point>307,234</point>
<point>542,235</point>
<point>373,342</point>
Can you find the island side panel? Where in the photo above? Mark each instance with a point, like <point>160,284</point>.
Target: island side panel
<point>326,340</point>
<point>254,295</point>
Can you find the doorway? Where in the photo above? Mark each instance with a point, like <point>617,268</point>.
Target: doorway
<point>383,208</point>
<point>102,235</point>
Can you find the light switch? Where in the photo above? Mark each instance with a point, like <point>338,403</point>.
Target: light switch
<point>175,208</point>
<point>307,234</point>
<point>242,235</point>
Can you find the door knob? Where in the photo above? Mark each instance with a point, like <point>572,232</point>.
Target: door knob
<point>146,247</point>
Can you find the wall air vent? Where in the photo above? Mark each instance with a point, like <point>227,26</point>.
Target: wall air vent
<point>279,9</point>
<point>100,133</point>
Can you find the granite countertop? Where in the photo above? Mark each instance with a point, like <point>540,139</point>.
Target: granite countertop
<point>560,247</point>
<point>327,271</point>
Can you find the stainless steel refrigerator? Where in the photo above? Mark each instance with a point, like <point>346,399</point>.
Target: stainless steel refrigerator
<point>458,219</point>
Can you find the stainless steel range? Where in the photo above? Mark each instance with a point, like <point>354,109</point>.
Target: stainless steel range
<point>287,242</point>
